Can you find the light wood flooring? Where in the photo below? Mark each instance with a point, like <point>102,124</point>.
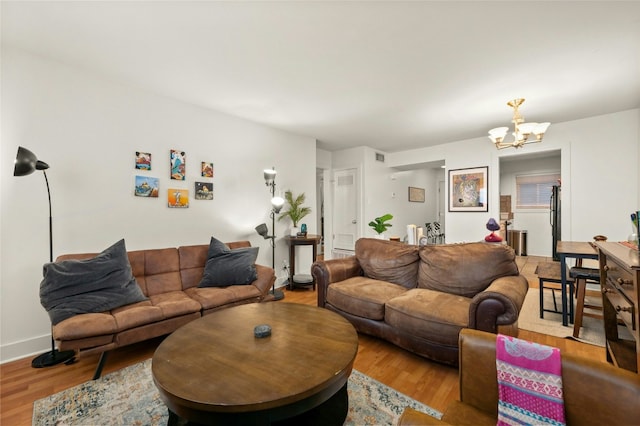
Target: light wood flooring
<point>431,383</point>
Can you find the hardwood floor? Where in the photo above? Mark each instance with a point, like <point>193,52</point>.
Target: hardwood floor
<point>431,383</point>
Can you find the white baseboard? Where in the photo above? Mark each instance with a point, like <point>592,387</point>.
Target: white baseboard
<point>25,348</point>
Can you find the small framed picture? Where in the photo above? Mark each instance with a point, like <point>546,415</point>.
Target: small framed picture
<point>146,186</point>
<point>178,166</point>
<point>178,198</point>
<point>206,169</point>
<point>204,191</point>
<point>468,190</point>
<point>143,160</point>
<point>416,195</point>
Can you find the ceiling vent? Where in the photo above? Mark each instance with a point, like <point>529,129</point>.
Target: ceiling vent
<point>379,157</point>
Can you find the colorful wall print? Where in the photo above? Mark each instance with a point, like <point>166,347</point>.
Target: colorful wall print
<point>146,187</point>
<point>207,169</point>
<point>178,198</point>
<point>468,190</point>
<point>204,190</point>
<point>143,160</point>
<point>178,166</point>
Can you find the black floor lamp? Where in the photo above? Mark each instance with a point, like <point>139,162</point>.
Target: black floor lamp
<point>26,163</point>
<point>276,206</point>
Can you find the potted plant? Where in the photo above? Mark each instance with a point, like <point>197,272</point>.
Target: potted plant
<point>295,210</point>
<point>380,225</point>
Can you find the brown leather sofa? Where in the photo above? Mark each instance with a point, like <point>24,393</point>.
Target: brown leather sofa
<point>595,393</point>
<point>419,298</point>
<point>169,277</point>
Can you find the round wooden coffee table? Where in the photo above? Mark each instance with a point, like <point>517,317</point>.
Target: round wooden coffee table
<point>215,371</point>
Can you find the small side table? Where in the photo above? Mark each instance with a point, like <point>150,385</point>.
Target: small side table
<point>309,240</point>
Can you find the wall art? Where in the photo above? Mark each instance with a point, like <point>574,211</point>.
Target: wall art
<point>468,190</point>
<point>178,166</point>
<point>204,191</point>
<point>143,160</point>
<point>178,198</point>
<point>416,195</point>
<point>206,169</point>
<point>146,187</point>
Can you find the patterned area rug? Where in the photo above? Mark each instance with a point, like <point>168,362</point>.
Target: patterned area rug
<point>129,397</point>
<point>592,330</point>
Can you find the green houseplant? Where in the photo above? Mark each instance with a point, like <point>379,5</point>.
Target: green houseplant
<point>295,210</point>
<point>380,225</point>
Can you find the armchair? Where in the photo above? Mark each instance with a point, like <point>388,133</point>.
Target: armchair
<point>595,393</point>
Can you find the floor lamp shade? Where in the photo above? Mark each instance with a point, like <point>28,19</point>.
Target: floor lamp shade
<point>26,163</point>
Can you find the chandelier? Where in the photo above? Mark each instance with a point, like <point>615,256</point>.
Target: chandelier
<point>521,132</point>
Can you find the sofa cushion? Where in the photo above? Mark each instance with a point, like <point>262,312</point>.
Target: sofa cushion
<point>215,297</point>
<point>87,325</point>
<point>226,267</point>
<point>431,315</point>
<point>390,261</point>
<point>174,304</point>
<point>136,315</point>
<point>464,269</point>
<point>98,284</point>
<point>363,296</point>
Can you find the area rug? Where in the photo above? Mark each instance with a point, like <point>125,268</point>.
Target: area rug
<point>592,330</point>
<point>129,397</point>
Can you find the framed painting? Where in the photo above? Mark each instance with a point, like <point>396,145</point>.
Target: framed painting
<point>178,160</point>
<point>468,190</point>
<point>143,160</point>
<point>206,169</point>
<point>416,195</point>
<point>204,191</point>
<point>147,187</point>
<point>178,198</point>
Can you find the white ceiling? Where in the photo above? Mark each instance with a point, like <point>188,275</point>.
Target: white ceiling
<point>388,74</point>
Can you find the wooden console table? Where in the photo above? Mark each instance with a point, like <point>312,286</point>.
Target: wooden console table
<point>619,280</point>
<point>309,240</point>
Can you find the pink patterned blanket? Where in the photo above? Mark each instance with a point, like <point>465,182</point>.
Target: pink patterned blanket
<point>529,383</point>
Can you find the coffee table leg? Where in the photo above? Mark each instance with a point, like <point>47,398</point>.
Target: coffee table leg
<point>331,412</point>
<point>176,420</point>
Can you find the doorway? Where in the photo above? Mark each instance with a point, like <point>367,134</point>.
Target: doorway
<point>536,221</point>
<point>345,210</point>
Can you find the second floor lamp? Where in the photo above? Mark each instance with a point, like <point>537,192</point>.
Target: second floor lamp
<point>263,230</point>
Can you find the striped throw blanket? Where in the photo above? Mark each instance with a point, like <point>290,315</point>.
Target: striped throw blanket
<point>529,383</point>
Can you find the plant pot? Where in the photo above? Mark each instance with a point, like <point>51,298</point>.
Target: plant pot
<point>380,237</point>
<point>294,231</point>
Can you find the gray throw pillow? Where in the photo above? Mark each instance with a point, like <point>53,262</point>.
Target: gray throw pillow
<point>227,267</point>
<point>105,282</point>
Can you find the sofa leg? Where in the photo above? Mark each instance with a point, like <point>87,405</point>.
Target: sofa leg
<point>103,359</point>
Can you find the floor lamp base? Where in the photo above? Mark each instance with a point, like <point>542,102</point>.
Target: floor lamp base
<point>51,358</point>
<point>277,294</point>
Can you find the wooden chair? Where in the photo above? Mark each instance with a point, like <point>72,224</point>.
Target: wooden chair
<point>438,233</point>
<point>582,276</point>
<point>549,278</point>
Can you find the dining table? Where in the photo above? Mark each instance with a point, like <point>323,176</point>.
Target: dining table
<point>577,250</point>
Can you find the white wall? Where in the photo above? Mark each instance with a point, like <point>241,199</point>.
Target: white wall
<point>88,130</point>
<point>599,162</point>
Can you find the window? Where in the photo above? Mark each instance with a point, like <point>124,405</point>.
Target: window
<point>534,191</point>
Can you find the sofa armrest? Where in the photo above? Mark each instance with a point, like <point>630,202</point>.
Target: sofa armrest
<point>498,304</point>
<point>411,417</point>
<point>266,279</point>
<point>330,271</point>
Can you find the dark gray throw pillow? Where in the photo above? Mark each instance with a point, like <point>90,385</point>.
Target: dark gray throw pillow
<point>226,267</point>
<point>105,282</point>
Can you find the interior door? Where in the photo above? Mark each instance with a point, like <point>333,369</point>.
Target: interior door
<point>345,209</point>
